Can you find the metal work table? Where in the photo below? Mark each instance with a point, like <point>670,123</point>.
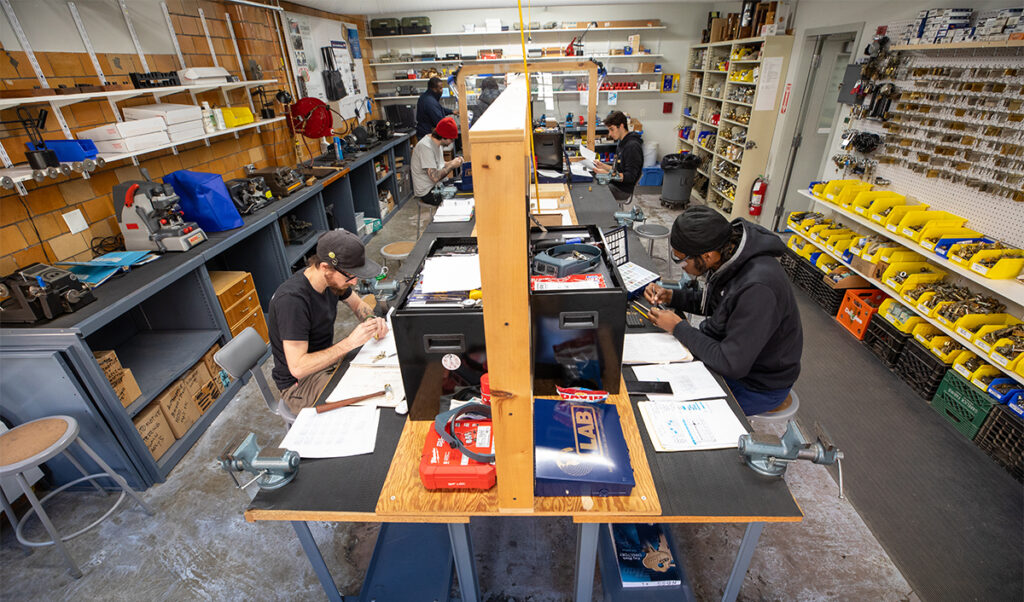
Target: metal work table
<point>161,318</point>
<point>704,486</point>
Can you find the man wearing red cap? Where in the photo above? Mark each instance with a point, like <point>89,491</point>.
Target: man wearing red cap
<point>428,164</point>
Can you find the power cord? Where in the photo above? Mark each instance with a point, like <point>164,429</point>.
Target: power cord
<point>107,244</point>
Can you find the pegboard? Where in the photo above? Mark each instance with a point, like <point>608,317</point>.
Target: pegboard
<point>992,214</point>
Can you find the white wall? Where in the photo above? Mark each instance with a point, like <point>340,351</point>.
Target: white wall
<point>684,22</point>
<point>49,27</point>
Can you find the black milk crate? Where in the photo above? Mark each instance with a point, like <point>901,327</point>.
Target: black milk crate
<point>962,404</point>
<point>885,340</point>
<point>828,298</point>
<point>789,264</point>
<point>1002,437</point>
<point>919,368</point>
<point>154,79</point>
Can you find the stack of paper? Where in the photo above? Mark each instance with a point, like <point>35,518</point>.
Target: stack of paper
<point>689,380</point>
<point>653,348</point>
<point>443,274</point>
<point>349,431</point>
<point>455,210</point>
<point>691,425</point>
<point>98,270</point>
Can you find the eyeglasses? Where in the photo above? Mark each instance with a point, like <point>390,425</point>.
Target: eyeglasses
<point>347,275</point>
<point>678,260</point>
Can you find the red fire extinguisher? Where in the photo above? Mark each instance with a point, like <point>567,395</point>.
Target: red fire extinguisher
<point>757,195</point>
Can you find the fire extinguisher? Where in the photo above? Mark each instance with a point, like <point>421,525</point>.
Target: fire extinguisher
<point>757,195</point>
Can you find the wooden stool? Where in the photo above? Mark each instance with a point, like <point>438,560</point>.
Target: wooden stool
<point>398,250</point>
<point>30,445</point>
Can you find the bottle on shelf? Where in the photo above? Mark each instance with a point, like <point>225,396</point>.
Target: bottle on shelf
<point>218,118</point>
<point>209,125</point>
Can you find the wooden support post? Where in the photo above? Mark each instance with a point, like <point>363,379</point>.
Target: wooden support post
<point>500,173</point>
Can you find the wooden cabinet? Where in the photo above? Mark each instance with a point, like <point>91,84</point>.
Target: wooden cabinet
<point>732,95</point>
<point>239,301</point>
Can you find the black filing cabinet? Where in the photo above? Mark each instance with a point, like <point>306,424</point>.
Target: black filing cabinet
<point>440,344</point>
<point>577,334</point>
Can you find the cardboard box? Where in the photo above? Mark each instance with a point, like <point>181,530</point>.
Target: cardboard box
<point>153,429</point>
<point>124,129</point>
<point>127,388</point>
<point>210,364</point>
<point>135,143</point>
<point>170,113</point>
<point>196,377</point>
<point>647,67</point>
<point>718,29</point>
<point>850,281</point>
<point>109,363</point>
<point>179,410</point>
<point>206,395</point>
<point>871,270</point>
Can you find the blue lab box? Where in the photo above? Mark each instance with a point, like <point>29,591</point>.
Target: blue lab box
<point>579,449</point>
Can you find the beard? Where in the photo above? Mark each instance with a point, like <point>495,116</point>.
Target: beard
<point>339,290</point>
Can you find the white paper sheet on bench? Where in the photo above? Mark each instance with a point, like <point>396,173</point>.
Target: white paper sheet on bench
<point>361,380</point>
<point>350,431</point>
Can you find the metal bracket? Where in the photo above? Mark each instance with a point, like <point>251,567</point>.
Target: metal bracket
<point>135,37</point>
<point>206,32</point>
<point>174,35</point>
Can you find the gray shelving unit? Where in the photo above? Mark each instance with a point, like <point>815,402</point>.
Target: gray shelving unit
<point>161,318</point>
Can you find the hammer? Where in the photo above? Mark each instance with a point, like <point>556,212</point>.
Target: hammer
<point>327,407</point>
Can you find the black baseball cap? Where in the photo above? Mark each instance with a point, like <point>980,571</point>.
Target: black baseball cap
<point>345,251</point>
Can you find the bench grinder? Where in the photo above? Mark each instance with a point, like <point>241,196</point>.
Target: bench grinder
<point>151,218</point>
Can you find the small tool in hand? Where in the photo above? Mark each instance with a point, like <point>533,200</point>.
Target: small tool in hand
<point>387,392</point>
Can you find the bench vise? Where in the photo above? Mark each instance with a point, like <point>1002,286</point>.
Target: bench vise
<point>770,455</point>
<point>274,469</point>
<point>628,218</point>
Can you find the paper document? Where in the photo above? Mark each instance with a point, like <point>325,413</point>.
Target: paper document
<point>371,351</point>
<point>548,203</point>
<point>451,273</point>
<point>349,431</point>
<point>689,380</point>
<point>549,173</point>
<point>653,348</point>
<point>587,154</point>
<point>579,169</point>
<point>691,425</point>
<point>362,380</point>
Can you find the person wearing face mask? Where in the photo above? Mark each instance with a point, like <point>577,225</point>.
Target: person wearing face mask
<point>429,110</point>
<point>302,313</point>
<point>629,156</point>
<point>752,335</point>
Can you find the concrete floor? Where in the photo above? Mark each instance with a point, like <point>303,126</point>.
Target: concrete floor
<point>199,547</point>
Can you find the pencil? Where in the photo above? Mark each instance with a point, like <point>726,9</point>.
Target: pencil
<point>639,308</point>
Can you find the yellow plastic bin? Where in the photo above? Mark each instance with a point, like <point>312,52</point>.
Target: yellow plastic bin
<point>849,192</point>
<point>892,222</point>
<point>999,356</point>
<point>921,270</point>
<point>1009,265</point>
<point>834,187</point>
<point>865,198</point>
<point>924,333</point>
<point>945,348</point>
<point>931,234</point>
<point>970,325</point>
<point>914,222</point>
<point>878,211</point>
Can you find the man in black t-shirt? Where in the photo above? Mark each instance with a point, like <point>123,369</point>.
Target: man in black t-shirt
<point>302,313</point>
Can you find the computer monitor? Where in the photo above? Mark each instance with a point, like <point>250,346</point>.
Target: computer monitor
<point>401,116</point>
<point>547,147</point>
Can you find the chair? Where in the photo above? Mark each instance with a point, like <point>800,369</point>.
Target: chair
<point>398,250</point>
<point>784,412</point>
<point>30,445</point>
<point>652,232</point>
<point>243,354</point>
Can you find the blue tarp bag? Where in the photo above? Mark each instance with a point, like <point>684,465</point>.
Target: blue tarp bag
<point>205,200</point>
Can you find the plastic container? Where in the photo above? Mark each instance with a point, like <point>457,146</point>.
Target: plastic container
<point>962,404</point>
<point>862,203</point>
<point>938,347</point>
<point>1016,390</point>
<point>1001,436</point>
<point>905,326</point>
<point>1000,359</point>
<point>892,221</point>
<point>237,116</point>
<point>915,275</point>
<point>874,212</point>
<point>69,150</point>
<point>849,192</point>
<point>932,234</point>
<point>800,246</point>
<point>885,341</point>
<point>857,307</point>
<point>969,325</point>
<point>466,183</point>
<point>912,223</point>
<point>209,123</point>
<point>924,333</point>
<point>652,176</point>
<point>1009,266</point>
<point>833,187</point>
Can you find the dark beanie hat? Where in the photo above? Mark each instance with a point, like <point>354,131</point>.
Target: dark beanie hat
<point>698,230</point>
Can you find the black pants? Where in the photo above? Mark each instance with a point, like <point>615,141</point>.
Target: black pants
<point>431,198</point>
<point>619,193</point>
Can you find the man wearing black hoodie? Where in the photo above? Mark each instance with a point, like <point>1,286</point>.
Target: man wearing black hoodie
<point>629,156</point>
<point>429,110</point>
<point>752,334</point>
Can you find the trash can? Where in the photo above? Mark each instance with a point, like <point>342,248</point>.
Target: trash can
<point>679,170</point>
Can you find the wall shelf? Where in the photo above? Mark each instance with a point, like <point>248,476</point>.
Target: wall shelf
<point>62,100</point>
<point>895,295</point>
<point>1009,289</point>
<point>511,31</point>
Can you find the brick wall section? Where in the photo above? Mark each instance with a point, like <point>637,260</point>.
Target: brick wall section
<point>32,228</point>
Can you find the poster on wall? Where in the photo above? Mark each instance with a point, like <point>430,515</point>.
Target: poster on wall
<point>327,62</point>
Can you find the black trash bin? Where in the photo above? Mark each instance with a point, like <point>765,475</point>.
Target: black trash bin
<point>679,169</point>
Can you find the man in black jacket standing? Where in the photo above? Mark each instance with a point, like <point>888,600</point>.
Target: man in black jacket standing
<point>428,108</point>
<point>629,156</point>
<point>752,335</point>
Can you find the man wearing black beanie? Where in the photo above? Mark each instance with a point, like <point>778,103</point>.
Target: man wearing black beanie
<point>752,335</point>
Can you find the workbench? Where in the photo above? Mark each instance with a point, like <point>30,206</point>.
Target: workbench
<point>681,487</point>
<point>162,317</point>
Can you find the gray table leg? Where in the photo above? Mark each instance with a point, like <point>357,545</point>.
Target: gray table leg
<point>317,560</point>
<point>586,560</point>
<point>465,565</point>
<point>739,568</point>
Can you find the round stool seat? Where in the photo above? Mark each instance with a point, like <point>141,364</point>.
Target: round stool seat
<point>35,442</point>
<point>786,410</point>
<point>651,231</point>
<point>397,250</point>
